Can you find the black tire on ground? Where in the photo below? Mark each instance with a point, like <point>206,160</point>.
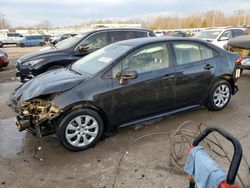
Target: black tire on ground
<point>54,67</point>
<point>22,45</point>
<point>241,71</point>
<point>41,44</point>
<point>219,95</point>
<point>68,126</point>
<point>1,44</point>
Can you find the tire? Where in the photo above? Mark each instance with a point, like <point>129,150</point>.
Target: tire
<point>219,95</point>
<point>73,130</point>
<point>54,67</point>
<point>241,71</point>
<point>41,44</point>
<point>22,45</point>
<point>1,44</point>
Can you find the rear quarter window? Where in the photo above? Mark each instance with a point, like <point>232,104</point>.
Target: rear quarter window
<point>140,34</point>
<point>186,52</point>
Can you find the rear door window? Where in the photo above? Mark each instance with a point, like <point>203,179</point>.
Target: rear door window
<point>186,52</point>
<point>238,32</point>
<point>116,36</point>
<point>10,35</point>
<point>140,34</point>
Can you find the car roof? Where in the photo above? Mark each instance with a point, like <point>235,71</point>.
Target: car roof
<point>149,40</point>
<point>117,29</point>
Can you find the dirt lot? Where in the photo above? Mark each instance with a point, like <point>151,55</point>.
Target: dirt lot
<point>145,164</point>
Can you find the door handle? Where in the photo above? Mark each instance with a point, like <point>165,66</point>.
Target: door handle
<point>208,67</point>
<point>166,77</point>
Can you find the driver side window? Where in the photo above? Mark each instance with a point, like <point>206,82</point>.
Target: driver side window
<point>150,58</point>
<point>227,34</point>
<point>96,41</point>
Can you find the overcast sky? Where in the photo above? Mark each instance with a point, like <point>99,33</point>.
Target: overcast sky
<point>71,12</point>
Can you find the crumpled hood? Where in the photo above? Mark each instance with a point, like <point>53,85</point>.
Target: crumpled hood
<point>50,82</point>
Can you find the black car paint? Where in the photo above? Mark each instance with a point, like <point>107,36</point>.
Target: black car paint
<point>54,56</point>
<point>174,88</point>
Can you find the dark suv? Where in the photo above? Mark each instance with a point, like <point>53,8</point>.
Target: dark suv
<point>72,49</point>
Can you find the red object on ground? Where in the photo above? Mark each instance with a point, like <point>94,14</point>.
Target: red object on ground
<point>225,185</point>
<point>3,59</point>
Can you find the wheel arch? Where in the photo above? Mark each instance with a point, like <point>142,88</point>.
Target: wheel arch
<point>89,105</point>
<point>229,79</point>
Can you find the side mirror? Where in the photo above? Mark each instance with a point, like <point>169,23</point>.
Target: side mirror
<point>126,74</point>
<point>224,38</point>
<point>82,48</point>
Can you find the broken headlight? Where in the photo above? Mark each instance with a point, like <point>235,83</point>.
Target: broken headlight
<point>40,110</point>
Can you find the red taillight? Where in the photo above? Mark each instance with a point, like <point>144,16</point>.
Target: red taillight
<point>238,60</point>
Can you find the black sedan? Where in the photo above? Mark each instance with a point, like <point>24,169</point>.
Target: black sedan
<point>122,84</point>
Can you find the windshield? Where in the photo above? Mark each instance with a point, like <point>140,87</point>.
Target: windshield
<point>99,59</point>
<point>69,42</point>
<point>209,34</point>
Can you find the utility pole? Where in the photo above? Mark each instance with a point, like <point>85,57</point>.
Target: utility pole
<point>3,21</point>
<point>213,19</point>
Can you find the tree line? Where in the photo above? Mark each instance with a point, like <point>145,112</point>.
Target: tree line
<point>213,18</point>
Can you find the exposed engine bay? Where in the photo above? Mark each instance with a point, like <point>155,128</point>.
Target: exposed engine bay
<point>36,116</point>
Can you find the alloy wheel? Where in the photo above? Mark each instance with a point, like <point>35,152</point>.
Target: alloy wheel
<point>221,95</point>
<point>81,131</point>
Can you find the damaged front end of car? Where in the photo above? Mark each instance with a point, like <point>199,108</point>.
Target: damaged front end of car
<point>36,115</point>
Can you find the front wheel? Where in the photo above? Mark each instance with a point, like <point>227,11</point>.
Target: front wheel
<point>219,96</point>
<point>80,129</point>
<point>1,44</point>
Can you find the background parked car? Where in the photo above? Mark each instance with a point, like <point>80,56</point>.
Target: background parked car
<point>72,49</point>
<point>241,45</point>
<point>34,40</point>
<point>56,39</point>
<point>3,59</point>
<point>10,38</point>
<point>220,37</point>
<point>122,84</point>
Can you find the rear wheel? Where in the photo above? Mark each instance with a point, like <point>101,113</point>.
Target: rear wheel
<point>219,96</point>
<point>80,129</point>
<point>22,45</point>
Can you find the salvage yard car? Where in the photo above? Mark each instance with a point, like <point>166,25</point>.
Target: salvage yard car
<point>241,45</point>
<point>72,49</point>
<point>10,38</point>
<point>33,40</point>
<point>122,84</point>
<point>220,36</point>
<point>3,59</point>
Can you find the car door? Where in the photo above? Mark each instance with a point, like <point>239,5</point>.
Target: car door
<point>10,38</point>
<point>238,32</point>
<point>224,37</point>
<point>152,92</point>
<point>195,67</point>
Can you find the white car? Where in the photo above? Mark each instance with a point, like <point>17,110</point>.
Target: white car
<point>219,37</point>
<point>10,38</point>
